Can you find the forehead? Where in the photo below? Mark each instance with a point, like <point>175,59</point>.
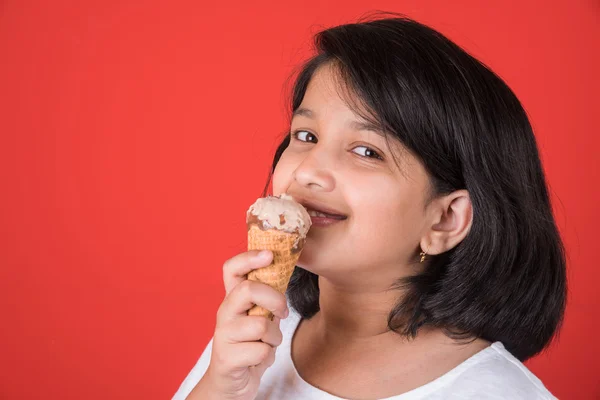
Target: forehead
<point>327,88</point>
<point>327,94</point>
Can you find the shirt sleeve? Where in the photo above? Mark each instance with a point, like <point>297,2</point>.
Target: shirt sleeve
<point>195,374</point>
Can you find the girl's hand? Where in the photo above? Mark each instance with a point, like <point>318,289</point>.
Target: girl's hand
<point>243,345</point>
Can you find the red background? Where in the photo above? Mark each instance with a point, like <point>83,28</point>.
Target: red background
<point>134,135</point>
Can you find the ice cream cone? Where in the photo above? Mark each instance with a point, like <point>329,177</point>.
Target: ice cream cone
<point>278,273</point>
<point>278,224</point>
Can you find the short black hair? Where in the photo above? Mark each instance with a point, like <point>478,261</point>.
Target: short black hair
<point>506,281</point>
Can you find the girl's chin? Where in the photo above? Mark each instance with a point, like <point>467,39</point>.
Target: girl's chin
<point>315,259</point>
<point>314,266</point>
<point>308,265</point>
<point>302,264</point>
<point>312,254</point>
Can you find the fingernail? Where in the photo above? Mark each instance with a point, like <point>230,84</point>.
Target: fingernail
<point>264,254</point>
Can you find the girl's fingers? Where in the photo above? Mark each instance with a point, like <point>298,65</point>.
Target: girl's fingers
<point>270,360</point>
<point>236,268</point>
<point>251,329</point>
<point>243,355</point>
<point>245,295</point>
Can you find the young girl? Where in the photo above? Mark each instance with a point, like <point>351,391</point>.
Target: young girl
<point>438,268</point>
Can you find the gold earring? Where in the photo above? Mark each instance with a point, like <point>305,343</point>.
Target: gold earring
<point>423,254</point>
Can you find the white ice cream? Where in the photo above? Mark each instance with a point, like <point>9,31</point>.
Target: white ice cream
<point>281,212</point>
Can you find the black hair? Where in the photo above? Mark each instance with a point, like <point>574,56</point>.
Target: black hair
<point>506,281</point>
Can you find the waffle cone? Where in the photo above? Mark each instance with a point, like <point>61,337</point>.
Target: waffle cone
<point>278,273</point>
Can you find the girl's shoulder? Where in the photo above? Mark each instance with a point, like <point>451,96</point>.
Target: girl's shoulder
<point>494,373</point>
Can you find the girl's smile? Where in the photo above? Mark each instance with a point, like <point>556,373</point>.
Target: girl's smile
<point>322,215</point>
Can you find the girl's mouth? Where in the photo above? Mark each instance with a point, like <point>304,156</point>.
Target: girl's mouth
<point>321,214</point>
<point>321,219</point>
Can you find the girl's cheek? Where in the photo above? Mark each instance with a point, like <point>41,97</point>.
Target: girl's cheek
<point>282,176</point>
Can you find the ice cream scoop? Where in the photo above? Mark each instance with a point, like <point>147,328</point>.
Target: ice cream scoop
<point>279,224</point>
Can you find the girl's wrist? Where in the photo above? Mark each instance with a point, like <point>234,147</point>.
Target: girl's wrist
<point>204,390</point>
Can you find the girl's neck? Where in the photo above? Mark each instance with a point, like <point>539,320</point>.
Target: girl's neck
<point>358,313</point>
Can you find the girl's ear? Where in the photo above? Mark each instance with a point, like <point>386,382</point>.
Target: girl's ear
<point>450,224</point>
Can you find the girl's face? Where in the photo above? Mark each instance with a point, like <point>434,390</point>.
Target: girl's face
<point>341,166</point>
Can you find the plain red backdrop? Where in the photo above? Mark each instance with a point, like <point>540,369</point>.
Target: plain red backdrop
<point>134,135</point>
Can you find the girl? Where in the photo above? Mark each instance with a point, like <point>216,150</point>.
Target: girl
<point>439,268</point>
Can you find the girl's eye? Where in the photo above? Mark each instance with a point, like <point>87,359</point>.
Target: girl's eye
<point>368,152</point>
<point>304,136</point>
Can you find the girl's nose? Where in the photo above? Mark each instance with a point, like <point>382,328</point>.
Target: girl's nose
<point>313,175</point>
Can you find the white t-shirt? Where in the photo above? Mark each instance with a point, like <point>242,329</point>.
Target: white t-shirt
<point>491,374</point>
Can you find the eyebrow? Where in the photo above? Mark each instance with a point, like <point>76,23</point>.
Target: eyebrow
<point>357,125</point>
